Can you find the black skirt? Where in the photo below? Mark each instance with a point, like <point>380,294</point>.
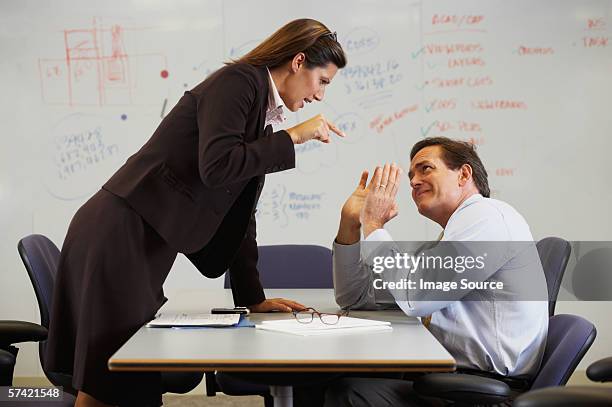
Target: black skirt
<point>109,283</point>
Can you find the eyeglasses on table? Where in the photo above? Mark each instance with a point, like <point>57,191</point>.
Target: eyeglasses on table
<point>307,315</point>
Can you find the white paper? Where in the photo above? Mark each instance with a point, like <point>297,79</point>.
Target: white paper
<point>345,325</point>
<point>182,319</point>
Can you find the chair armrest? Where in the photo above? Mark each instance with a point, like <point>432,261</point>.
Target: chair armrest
<point>7,359</point>
<point>464,388</point>
<point>19,331</point>
<point>7,365</point>
<point>180,382</point>
<point>600,371</point>
<point>572,396</point>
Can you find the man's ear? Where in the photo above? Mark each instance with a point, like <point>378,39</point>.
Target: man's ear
<point>298,60</point>
<point>465,174</point>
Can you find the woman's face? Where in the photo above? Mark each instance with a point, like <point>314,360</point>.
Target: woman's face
<point>304,85</point>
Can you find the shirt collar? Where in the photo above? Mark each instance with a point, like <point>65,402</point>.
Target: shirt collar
<point>470,200</point>
<point>274,111</point>
<point>274,99</point>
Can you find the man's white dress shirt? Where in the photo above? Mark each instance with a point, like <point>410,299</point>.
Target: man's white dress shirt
<point>483,330</point>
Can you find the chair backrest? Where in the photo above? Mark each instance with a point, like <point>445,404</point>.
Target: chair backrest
<point>554,254</point>
<point>569,338</point>
<point>40,257</point>
<point>293,266</point>
<point>591,277</point>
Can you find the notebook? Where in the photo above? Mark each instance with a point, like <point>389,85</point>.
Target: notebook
<point>193,320</point>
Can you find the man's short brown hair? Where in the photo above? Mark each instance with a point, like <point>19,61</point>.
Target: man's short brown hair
<point>455,154</point>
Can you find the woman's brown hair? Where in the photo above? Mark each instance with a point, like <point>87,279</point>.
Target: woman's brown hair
<point>305,35</point>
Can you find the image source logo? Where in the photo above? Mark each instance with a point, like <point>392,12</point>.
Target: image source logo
<point>463,270</point>
<point>412,263</point>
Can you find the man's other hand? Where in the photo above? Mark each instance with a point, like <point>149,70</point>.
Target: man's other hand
<point>380,205</point>
<point>351,209</point>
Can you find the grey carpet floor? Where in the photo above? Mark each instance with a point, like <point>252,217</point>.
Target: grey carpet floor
<point>220,400</point>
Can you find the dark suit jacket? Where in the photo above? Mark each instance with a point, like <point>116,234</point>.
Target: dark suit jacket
<point>198,178</point>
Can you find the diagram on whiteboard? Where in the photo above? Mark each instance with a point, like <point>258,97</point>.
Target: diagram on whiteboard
<point>98,69</point>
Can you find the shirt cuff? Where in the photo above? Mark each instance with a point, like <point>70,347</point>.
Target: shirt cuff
<point>379,235</point>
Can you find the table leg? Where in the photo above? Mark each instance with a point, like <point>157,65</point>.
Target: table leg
<point>283,396</point>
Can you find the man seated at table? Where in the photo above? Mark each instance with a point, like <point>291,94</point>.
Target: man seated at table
<point>484,330</point>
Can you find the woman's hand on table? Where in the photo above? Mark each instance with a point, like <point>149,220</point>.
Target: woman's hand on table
<point>276,304</point>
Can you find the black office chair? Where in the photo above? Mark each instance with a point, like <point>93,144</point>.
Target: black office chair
<point>40,257</point>
<point>280,266</point>
<point>293,266</point>
<point>12,332</point>
<point>600,371</point>
<point>554,254</point>
<point>591,276</point>
<point>569,338</point>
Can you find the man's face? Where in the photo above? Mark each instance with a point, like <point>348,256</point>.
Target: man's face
<point>436,189</point>
<point>307,85</point>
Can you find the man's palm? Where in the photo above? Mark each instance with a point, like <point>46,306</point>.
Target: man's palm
<point>353,205</point>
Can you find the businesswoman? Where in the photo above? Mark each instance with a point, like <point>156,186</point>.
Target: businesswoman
<point>192,189</point>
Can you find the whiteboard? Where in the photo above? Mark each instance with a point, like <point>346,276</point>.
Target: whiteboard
<point>85,84</point>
